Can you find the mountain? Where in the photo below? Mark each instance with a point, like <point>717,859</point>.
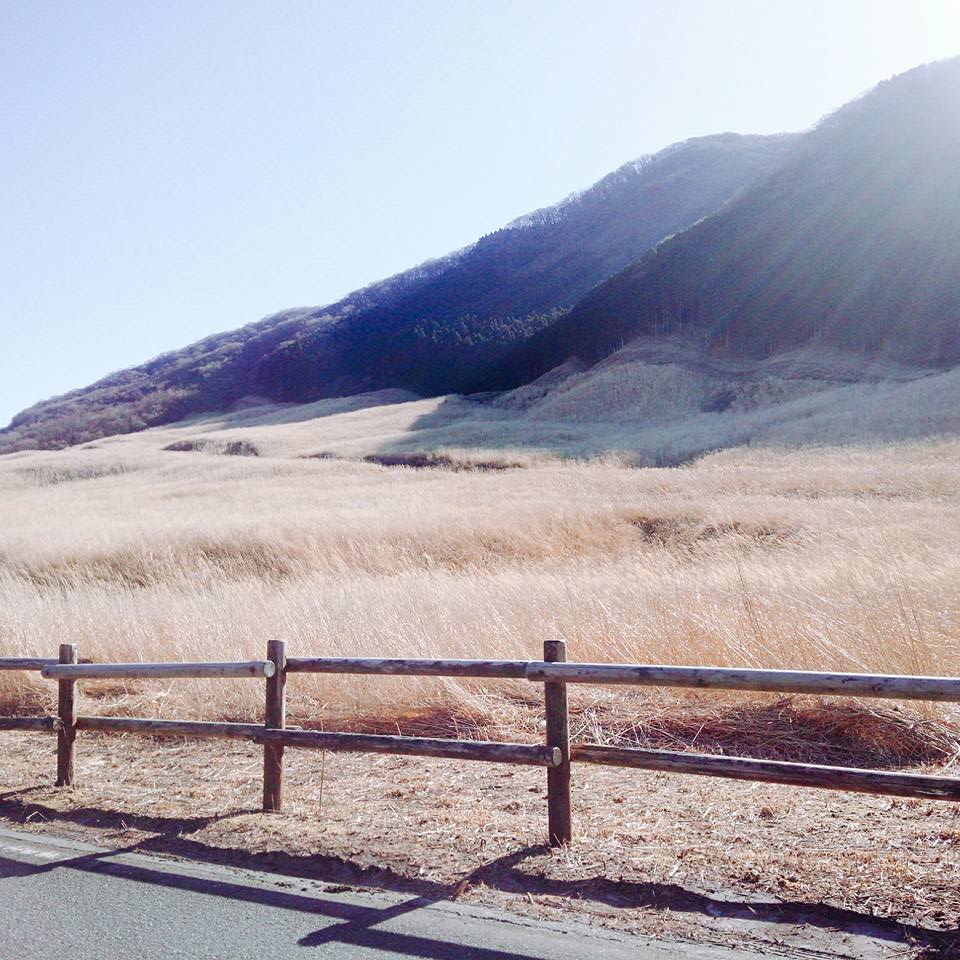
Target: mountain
<point>848,254</point>
<point>434,329</point>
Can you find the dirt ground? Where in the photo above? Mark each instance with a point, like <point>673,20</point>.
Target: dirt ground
<point>687,858</point>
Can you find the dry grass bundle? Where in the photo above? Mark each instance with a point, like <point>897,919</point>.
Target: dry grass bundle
<point>795,729</point>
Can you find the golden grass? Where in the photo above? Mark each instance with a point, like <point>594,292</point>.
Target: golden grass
<point>841,558</point>
<point>820,558</point>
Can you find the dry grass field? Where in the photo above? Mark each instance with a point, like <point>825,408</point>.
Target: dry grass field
<point>174,545</point>
<point>824,558</point>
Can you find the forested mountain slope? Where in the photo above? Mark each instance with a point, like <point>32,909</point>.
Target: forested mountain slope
<point>851,251</point>
<point>434,329</point>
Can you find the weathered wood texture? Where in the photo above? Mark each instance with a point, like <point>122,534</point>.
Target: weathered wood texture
<point>25,663</point>
<point>99,671</point>
<point>274,718</point>
<point>534,755</point>
<point>67,717</point>
<point>773,771</point>
<point>202,729</point>
<point>29,723</point>
<point>718,678</point>
<point>515,669</point>
<point>335,742</point>
<point>559,816</point>
<point>772,681</point>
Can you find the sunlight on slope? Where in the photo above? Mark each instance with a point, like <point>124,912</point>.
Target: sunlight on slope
<point>645,413</point>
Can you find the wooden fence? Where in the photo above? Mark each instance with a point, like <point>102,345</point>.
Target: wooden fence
<point>556,753</point>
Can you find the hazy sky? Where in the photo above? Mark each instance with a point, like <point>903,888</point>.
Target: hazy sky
<point>171,169</point>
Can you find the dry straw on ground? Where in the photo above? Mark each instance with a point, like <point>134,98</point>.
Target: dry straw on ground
<point>784,871</point>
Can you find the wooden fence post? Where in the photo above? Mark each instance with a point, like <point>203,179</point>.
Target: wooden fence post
<point>558,735</point>
<point>67,714</point>
<point>274,719</point>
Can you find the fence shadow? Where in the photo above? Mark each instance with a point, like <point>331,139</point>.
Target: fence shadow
<point>355,924</point>
<point>171,837</point>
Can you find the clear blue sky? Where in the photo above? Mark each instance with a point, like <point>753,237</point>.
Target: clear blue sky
<point>173,169</point>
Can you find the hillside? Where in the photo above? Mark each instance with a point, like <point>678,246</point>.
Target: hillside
<point>433,329</point>
<point>850,253</point>
<point>792,269</point>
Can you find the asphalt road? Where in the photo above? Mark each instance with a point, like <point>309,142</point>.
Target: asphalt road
<point>64,900</point>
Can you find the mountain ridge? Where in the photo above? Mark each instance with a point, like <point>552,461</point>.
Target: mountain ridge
<point>840,246</point>
<point>445,320</point>
<point>852,246</point>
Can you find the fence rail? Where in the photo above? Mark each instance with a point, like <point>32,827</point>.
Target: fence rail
<point>29,723</point>
<point>943,689</point>
<point>491,669</point>
<point>324,740</point>
<point>24,663</point>
<point>773,771</point>
<point>147,671</point>
<point>556,754</point>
